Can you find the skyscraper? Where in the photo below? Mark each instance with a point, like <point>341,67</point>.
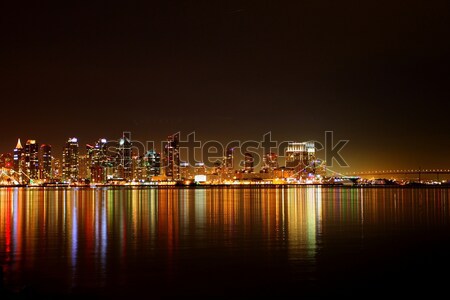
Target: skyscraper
<point>139,168</point>
<point>56,168</point>
<point>90,150</point>
<point>17,156</point>
<point>172,156</point>
<point>270,161</point>
<point>200,168</point>
<point>46,162</point>
<point>98,161</point>
<point>32,159</point>
<point>153,163</point>
<point>83,167</point>
<point>184,170</point>
<point>299,155</point>
<point>125,160</point>
<point>70,161</point>
<point>248,162</point>
<point>229,159</point>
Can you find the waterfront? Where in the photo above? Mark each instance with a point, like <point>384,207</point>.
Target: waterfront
<point>309,241</point>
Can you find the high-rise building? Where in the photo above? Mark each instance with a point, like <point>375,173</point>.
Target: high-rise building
<point>184,170</point>
<point>139,168</point>
<point>46,162</point>
<point>299,155</point>
<point>125,160</point>
<point>18,157</point>
<point>248,162</point>
<point>83,167</point>
<point>98,161</point>
<point>153,163</point>
<point>32,159</point>
<point>70,161</point>
<point>56,168</point>
<point>229,159</point>
<point>270,161</point>
<point>90,151</point>
<point>200,168</point>
<point>172,156</point>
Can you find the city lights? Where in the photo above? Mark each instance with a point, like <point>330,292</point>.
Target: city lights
<point>127,162</point>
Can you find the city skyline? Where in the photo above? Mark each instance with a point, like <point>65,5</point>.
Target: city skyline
<point>224,149</point>
<point>343,162</point>
<point>377,77</point>
<point>131,160</point>
<point>184,160</point>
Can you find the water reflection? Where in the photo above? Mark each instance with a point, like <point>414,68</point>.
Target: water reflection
<point>97,238</point>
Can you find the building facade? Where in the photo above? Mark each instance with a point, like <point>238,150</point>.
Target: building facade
<point>270,162</point>
<point>300,156</point>
<point>46,162</point>
<point>172,157</point>
<point>17,157</point>
<point>228,163</point>
<point>153,164</point>
<point>125,157</point>
<point>70,164</point>
<point>32,159</point>
<point>248,163</point>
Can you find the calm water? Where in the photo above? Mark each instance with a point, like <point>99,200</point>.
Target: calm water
<point>224,241</point>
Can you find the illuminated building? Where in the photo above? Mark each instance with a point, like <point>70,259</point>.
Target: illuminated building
<point>153,164</point>
<point>46,162</point>
<point>172,157</point>
<point>56,168</point>
<point>200,168</point>
<point>125,160</point>
<point>248,162</point>
<point>217,168</point>
<point>83,167</point>
<point>98,161</point>
<point>319,167</point>
<point>97,174</point>
<point>6,161</point>
<point>299,155</point>
<point>17,156</point>
<point>184,170</point>
<point>90,158</point>
<point>70,161</point>
<point>138,167</point>
<point>229,159</point>
<point>32,159</point>
<point>270,162</point>
<point>283,172</point>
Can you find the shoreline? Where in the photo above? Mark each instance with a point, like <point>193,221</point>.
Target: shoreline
<point>227,186</point>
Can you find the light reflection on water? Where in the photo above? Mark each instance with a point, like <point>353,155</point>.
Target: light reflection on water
<point>102,240</point>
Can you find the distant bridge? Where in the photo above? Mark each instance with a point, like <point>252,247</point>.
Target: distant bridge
<point>399,171</point>
<point>404,172</point>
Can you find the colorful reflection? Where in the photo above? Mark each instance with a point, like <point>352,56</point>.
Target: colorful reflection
<point>67,239</point>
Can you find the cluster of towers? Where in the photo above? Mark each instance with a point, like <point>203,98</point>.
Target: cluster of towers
<point>108,160</point>
<point>33,162</point>
<point>103,161</point>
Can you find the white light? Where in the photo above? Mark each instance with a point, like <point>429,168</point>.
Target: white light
<point>103,141</point>
<point>200,178</point>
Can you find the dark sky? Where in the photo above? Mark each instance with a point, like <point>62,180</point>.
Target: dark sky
<point>374,72</point>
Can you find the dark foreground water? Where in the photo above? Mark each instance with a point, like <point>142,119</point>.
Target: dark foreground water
<point>232,242</point>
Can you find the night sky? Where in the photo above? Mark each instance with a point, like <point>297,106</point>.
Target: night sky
<point>375,73</point>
